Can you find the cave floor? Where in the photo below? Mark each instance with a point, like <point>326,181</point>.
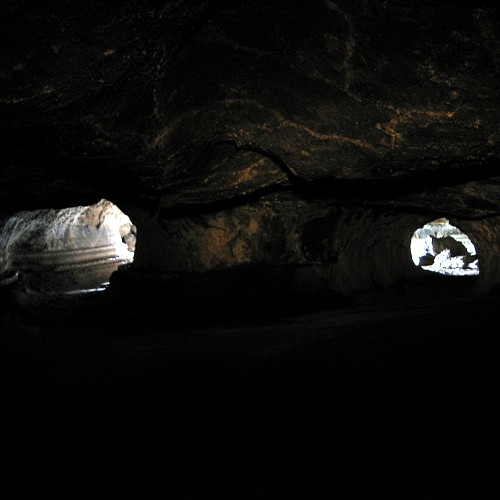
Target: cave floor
<point>396,397</point>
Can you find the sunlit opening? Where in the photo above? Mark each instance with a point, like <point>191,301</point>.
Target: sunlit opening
<point>67,251</point>
<point>442,248</point>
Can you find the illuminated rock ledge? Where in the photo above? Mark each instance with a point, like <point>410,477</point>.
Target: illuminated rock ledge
<point>72,250</point>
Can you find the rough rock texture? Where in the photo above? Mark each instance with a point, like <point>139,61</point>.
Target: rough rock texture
<point>68,249</point>
<point>72,228</point>
<point>277,157</point>
<point>228,131</point>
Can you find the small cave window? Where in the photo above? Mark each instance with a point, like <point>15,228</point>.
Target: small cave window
<point>66,251</point>
<point>442,248</point>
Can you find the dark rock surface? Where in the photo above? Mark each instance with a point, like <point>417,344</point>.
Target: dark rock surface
<point>398,399</point>
<point>455,247</point>
<point>203,101</point>
<point>276,160</point>
<point>178,110</point>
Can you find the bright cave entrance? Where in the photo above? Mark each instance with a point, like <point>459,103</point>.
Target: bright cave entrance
<point>65,251</point>
<point>442,248</point>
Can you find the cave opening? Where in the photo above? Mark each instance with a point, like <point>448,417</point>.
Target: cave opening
<point>69,251</point>
<point>442,248</point>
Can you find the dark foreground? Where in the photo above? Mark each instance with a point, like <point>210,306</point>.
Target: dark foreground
<point>396,399</point>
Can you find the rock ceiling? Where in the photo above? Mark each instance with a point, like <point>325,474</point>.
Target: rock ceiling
<point>181,103</point>
<point>231,131</point>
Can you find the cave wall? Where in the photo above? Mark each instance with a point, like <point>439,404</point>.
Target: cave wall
<point>485,234</point>
<point>313,137</point>
<point>348,250</point>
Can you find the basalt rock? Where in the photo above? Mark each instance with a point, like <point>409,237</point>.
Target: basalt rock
<point>67,250</point>
<point>258,133</point>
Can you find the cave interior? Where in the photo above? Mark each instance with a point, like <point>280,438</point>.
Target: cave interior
<point>250,248</point>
